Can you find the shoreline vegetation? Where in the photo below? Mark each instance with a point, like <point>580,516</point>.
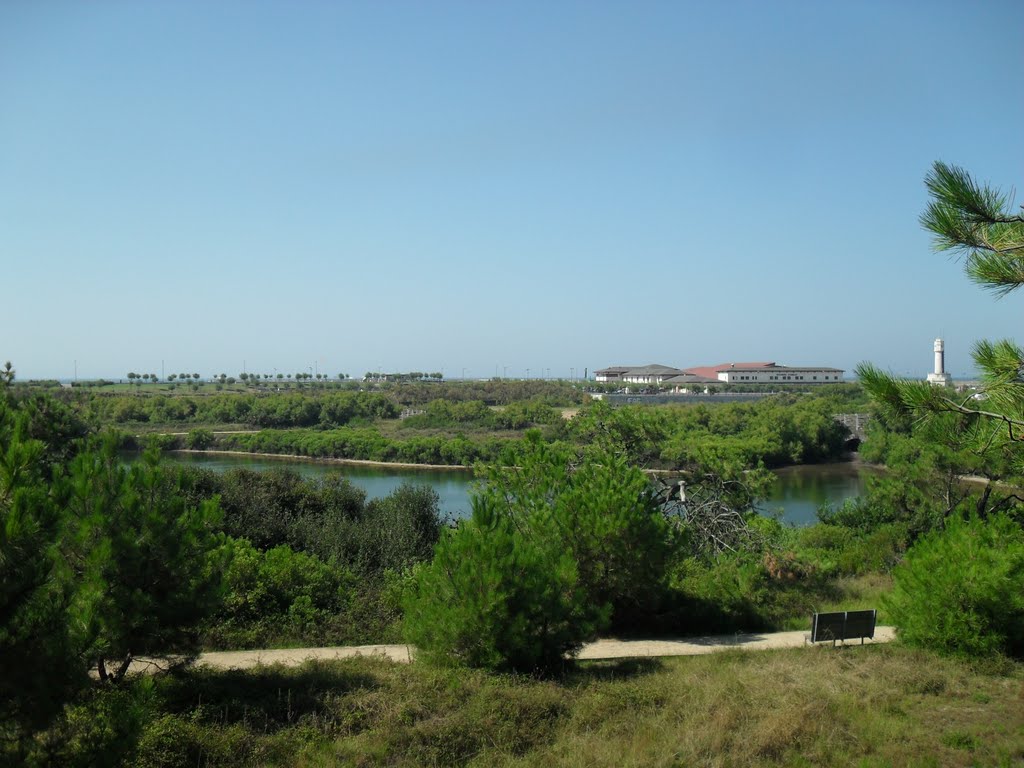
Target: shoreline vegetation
<point>287,457</point>
<point>378,429</point>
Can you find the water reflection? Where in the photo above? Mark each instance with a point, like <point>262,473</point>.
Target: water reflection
<point>800,491</point>
<point>452,485</point>
<point>797,494</point>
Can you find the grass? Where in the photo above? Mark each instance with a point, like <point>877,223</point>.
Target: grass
<point>870,706</point>
<point>845,593</point>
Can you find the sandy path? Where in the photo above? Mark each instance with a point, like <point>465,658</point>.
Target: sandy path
<point>600,649</point>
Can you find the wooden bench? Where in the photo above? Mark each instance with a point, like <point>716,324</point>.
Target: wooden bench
<point>842,626</point>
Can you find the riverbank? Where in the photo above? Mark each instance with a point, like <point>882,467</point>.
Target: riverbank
<point>798,493</point>
<point>325,460</point>
<point>363,462</point>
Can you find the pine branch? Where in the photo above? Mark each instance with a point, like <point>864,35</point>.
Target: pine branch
<point>974,219</point>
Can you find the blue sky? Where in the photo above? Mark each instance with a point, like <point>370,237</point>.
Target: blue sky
<point>492,186</point>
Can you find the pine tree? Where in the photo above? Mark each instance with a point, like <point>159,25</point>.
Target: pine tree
<point>975,222</point>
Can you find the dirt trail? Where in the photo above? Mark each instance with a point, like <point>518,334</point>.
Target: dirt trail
<point>601,649</point>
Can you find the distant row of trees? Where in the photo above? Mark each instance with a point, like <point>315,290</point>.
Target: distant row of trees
<point>292,409</point>
<point>139,378</point>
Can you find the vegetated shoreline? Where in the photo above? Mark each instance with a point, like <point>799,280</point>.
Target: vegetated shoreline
<point>358,462</point>
<point>851,460</point>
<point>972,479</point>
<point>326,459</point>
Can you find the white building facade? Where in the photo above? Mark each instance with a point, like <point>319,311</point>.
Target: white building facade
<point>780,374</point>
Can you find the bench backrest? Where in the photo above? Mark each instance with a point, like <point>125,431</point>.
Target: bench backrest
<point>860,624</point>
<point>842,625</point>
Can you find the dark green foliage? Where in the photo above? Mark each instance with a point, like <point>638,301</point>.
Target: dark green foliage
<point>727,439</point>
<point>369,445</point>
<point>98,562</point>
<point>100,728</point>
<point>277,594</point>
<point>601,510</point>
<point>442,413</point>
<point>979,222</point>
<point>328,516</point>
<point>961,590</point>
<point>36,650</point>
<point>199,439</point>
<point>326,410</point>
<point>400,529</point>
<point>51,422</point>
<point>146,563</point>
<point>558,547</point>
<point>497,599</point>
<point>839,550</point>
<point>475,414</point>
<point>923,483</point>
<point>523,414</point>
<point>264,507</point>
<point>775,432</point>
<point>492,392</point>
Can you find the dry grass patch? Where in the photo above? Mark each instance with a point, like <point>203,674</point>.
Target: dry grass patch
<point>815,707</point>
<point>876,705</point>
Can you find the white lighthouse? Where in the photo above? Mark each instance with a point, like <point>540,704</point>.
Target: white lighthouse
<point>939,377</point>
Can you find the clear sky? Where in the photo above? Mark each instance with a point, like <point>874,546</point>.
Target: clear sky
<point>493,185</point>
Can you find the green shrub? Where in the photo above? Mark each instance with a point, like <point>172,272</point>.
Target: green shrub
<point>199,439</point>
<point>842,551</point>
<point>496,599</point>
<point>961,590</point>
<point>163,442</point>
<point>597,508</point>
<point>278,595</point>
<point>561,543</point>
<point>101,728</point>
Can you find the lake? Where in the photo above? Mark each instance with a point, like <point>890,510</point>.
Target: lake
<point>797,494</point>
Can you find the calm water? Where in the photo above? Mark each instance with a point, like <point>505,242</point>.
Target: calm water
<point>800,491</point>
<point>797,494</point>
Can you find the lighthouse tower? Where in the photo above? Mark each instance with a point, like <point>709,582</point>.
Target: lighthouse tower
<point>939,377</point>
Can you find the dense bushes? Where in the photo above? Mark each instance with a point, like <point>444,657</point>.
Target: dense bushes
<point>368,445</point>
<point>276,595</point>
<point>326,516</point>
<point>961,590</point>
<point>729,437</point>
<point>474,413</point>
<point>323,410</point>
<point>315,563</point>
<point>497,599</point>
<point>559,547</point>
<point>98,562</point>
<point>491,392</point>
